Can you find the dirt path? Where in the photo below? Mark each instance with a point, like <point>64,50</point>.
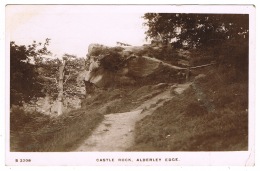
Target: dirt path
<point>116,132</point>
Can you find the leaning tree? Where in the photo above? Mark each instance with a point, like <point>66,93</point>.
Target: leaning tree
<point>59,77</point>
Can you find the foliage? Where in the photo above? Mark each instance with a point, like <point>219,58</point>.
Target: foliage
<point>196,29</point>
<point>110,58</point>
<point>230,55</point>
<point>24,84</point>
<point>234,54</point>
<point>164,53</point>
<point>49,69</point>
<point>34,73</point>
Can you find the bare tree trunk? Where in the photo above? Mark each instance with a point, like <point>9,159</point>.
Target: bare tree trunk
<point>60,87</point>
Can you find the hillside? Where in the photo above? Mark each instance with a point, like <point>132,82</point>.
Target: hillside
<point>212,115</point>
<point>147,104</point>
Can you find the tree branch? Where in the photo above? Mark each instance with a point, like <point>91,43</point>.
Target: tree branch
<point>49,79</point>
<point>212,63</point>
<point>41,84</point>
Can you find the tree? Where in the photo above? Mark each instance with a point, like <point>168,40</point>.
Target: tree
<point>34,73</point>
<point>24,84</point>
<point>224,37</point>
<point>60,86</point>
<point>59,75</point>
<point>65,66</point>
<point>196,29</point>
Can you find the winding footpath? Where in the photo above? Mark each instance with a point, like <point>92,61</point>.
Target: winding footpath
<point>116,132</point>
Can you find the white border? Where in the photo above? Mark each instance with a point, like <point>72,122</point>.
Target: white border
<point>206,157</point>
<point>197,158</point>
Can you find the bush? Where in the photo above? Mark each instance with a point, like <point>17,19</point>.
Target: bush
<point>233,53</point>
<point>111,59</point>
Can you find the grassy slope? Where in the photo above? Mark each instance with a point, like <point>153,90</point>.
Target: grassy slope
<point>56,134</point>
<point>211,115</point>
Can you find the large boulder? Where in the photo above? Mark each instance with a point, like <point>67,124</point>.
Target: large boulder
<point>142,67</point>
<point>109,66</point>
<point>134,49</point>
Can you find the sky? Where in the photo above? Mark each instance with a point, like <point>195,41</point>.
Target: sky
<point>72,28</point>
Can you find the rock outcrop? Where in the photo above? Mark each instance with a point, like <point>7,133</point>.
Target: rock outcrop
<point>113,66</point>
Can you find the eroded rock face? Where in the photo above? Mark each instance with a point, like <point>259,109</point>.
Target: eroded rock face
<point>142,67</point>
<point>128,65</point>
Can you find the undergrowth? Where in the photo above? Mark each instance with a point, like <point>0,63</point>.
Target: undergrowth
<point>43,134</point>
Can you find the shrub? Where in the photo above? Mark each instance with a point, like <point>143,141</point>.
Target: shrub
<point>233,53</point>
<point>111,59</point>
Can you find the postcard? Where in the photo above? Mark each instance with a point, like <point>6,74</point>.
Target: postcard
<point>130,85</point>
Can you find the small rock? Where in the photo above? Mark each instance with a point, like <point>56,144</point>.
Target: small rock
<point>200,76</point>
<point>174,86</point>
<point>179,90</point>
<point>161,85</point>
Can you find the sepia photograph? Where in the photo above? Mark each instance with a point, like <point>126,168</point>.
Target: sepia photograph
<point>151,83</point>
